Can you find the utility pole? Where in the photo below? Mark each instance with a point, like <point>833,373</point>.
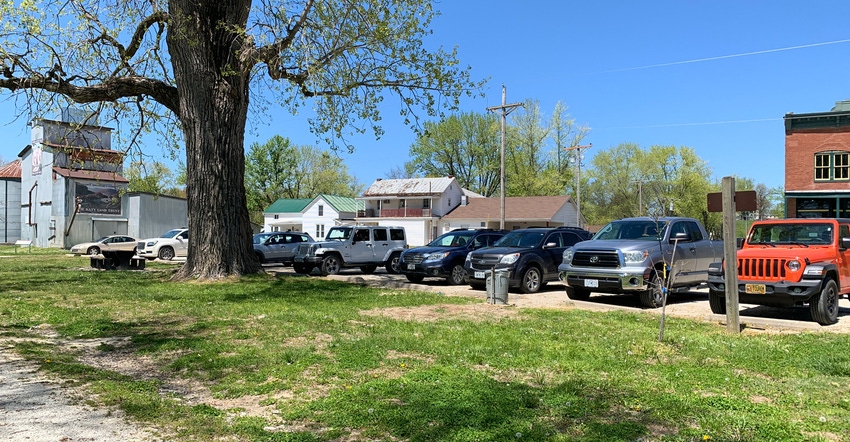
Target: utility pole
<point>504,109</point>
<point>578,150</point>
<point>640,196</point>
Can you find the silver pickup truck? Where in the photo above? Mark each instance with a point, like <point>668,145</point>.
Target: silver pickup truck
<point>633,255</point>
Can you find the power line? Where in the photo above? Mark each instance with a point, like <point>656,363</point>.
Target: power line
<point>721,57</point>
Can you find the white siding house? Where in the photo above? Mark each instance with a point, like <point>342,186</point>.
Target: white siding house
<point>417,204</point>
<point>310,215</point>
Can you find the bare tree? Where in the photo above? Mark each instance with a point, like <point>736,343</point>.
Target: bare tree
<point>193,65</point>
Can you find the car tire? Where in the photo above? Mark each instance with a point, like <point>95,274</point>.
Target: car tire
<point>392,264</point>
<point>577,294</point>
<point>260,258</point>
<point>331,265</point>
<point>457,276</point>
<point>717,303</point>
<point>368,269</point>
<point>824,305</point>
<point>531,281</point>
<point>653,296</point>
<point>416,279</point>
<point>302,269</point>
<point>166,254</point>
<point>93,251</point>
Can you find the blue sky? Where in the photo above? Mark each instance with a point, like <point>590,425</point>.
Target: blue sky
<point>716,76</point>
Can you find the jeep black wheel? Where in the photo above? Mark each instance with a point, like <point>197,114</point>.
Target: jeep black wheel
<point>166,254</point>
<point>392,264</point>
<point>302,269</point>
<point>368,269</point>
<point>717,302</point>
<point>824,306</point>
<point>532,280</point>
<point>653,296</point>
<point>577,294</point>
<point>416,279</point>
<point>331,265</point>
<point>457,275</point>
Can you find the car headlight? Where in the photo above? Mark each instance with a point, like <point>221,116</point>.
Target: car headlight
<point>509,259</point>
<point>151,243</point>
<point>568,255</point>
<point>468,257</point>
<point>436,256</point>
<point>635,257</point>
<point>794,265</point>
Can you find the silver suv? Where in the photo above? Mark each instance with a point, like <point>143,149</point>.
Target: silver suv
<point>174,242</point>
<point>278,246</point>
<point>366,247</point>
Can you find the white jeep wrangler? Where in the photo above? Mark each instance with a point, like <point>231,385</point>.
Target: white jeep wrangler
<point>366,247</point>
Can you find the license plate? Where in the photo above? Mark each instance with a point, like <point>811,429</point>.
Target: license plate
<point>591,283</point>
<point>756,289</point>
<point>411,267</point>
<point>479,275</point>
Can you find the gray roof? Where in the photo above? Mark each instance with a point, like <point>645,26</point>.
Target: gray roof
<point>410,187</point>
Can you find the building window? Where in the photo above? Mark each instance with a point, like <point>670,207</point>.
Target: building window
<point>426,203</point>
<point>832,166</point>
<point>276,216</point>
<point>320,231</point>
<point>321,210</point>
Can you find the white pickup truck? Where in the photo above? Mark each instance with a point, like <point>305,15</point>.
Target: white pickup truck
<point>633,255</point>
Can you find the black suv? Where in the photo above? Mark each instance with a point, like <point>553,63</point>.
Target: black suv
<point>531,256</point>
<point>444,256</point>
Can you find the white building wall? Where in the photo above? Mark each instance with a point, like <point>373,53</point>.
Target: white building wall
<point>318,225</point>
<point>416,229</point>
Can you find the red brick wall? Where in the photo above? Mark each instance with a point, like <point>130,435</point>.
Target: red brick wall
<point>800,149</point>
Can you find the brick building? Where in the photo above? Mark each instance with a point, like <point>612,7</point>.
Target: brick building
<point>817,163</point>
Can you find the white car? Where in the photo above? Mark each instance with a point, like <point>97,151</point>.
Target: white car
<point>170,244</point>
<point>110,243</point>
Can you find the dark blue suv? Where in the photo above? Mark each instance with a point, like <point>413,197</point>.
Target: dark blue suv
<point>531,256</point>
<point>444,256</point>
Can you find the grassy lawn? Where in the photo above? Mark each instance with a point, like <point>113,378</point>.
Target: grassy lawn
<point>295,358</point>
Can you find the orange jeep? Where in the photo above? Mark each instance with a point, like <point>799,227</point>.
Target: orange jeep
<point>790,262</point>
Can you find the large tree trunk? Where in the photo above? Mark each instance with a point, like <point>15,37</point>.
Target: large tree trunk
<point>213,95</point>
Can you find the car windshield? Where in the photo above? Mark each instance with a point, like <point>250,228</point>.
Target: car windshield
<point>102,239</point>
<point>338,234</point>
<point>171,233</point>
<point>791,234</point>
<point>452,239</point>
<point>647,230</point>
<point>520,239</point>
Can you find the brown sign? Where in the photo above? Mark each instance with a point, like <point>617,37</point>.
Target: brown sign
<point>745,201</point>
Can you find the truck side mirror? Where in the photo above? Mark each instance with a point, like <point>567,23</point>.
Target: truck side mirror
<point>739,242</point>
<point>681,236</point>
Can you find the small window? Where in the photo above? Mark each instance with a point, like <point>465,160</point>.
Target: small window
<point>397,234</point>
<point>380,234</point>
<point>320,231</point>
<point>276,216</point>
<point>321,210</point>
<point>361,235</point>
<point>426,203</point>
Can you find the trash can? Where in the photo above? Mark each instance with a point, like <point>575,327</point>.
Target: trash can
<point>497,288</point>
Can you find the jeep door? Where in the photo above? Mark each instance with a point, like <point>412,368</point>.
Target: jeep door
<point>362,249</point>
<point>844,266</point>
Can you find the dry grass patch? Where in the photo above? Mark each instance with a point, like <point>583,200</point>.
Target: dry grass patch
<point>441,312</point>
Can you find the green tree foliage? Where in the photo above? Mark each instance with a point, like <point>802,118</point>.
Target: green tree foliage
<point>197,65</point>
<point>154,178</point>
<point>666,180</point>
<point>465,146</point>
<point>277,169</point>
<point>468,146</point>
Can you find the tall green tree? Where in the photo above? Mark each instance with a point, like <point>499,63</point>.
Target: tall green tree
<point>466,146</point>
<point>660,181</point>
<point>196,63</point>
<point>277,169</point>
<point>154,178</point>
